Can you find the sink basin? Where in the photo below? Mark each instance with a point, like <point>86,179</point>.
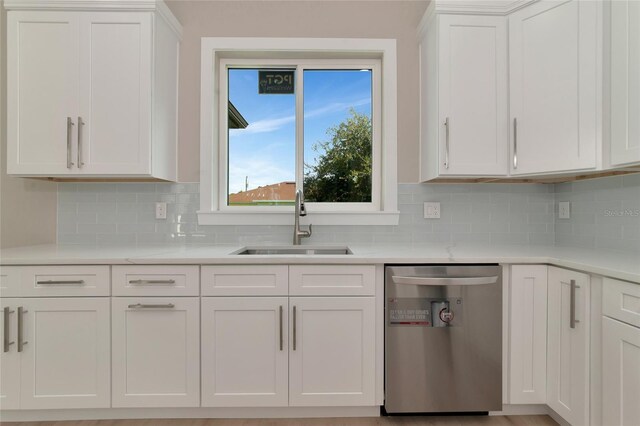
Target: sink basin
<point>293,250</point>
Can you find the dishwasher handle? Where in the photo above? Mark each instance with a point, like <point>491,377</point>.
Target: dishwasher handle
<point>440,281</point>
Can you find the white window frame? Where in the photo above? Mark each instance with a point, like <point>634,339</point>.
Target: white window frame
<point>218,54</point>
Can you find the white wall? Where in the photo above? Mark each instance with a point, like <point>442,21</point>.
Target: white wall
<point>27,207</point>
<point>320,18</point>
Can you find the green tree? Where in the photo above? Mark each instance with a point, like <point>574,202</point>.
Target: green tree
<point>342,172</point>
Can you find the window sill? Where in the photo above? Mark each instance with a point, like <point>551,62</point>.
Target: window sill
<point>286,218</point>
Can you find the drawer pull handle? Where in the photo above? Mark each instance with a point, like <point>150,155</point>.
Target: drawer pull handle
<point>152,281</point>
<point>50,282</point>
<point>21,341</point>
<point>142,306</point>
<point>7,343</point>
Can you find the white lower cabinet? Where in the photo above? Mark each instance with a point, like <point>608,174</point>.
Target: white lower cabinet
<point>528,334</point>
<point>620,373</point>
<point>156,357</point>
<point>244,351</point>
<point>279,351</point>
<point>568,345</point>
<point>59,357</point>
<point>332,352</point>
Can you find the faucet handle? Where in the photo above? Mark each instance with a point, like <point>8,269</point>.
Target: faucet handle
<point>309,231</point>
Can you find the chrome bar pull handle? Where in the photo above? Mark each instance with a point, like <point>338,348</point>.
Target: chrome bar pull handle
<point>6,345</point>
<point>143,306</point>
<point>515,143</point>
<point>294,328</point>
<point>572,305</point>
<point>281,335</point>
<point>21,341</point>
<point>446,143</point>
<point>152,281</point>
<point>80,126</point>
<point>54,282</point>
<point>69,137</point>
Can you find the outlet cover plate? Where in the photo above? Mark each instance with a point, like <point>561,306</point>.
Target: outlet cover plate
<point>432,210</point>
<point>564,210</point>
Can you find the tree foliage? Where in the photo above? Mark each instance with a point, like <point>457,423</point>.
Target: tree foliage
<point>342,172</point>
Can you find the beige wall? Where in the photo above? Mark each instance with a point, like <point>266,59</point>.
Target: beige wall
<point>27,207</point>
<point>365,19</point>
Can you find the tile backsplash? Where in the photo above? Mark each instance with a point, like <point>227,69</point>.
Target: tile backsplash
<point>124,213</point>
<point>605,213</point>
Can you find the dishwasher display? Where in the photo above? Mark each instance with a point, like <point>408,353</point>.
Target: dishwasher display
<point>426,312</point>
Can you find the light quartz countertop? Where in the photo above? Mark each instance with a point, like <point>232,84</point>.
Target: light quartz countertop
<point>615,264</point>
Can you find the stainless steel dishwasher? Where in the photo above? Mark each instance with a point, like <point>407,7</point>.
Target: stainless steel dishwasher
<point>443,338</point>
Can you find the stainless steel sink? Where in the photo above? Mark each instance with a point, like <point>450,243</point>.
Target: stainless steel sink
<point>293,250</point>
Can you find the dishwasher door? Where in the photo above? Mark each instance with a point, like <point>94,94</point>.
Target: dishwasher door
<point>443,339</point>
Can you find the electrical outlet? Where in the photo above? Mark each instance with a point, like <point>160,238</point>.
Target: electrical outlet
<point>161,210</point>
<point>564,210</point>
<point>432,210</point>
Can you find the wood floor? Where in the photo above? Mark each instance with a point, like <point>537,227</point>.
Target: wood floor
<point>370,421</point>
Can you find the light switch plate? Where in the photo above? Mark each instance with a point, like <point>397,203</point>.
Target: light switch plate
<point>564,210</point>
<point>432,210</point>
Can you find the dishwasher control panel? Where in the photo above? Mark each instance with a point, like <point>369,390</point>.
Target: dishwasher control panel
<point>424,312</point>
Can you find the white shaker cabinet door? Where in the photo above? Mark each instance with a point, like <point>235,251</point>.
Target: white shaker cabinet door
<point>156,359</point>
<point>620,373</point>
<point>554,89</point>
<point>473,95</point>
<point>528,334</point>
<point>332,352</point>
<point>42,92</point>
<point>114,135</point>
<point>9,357</point>
<point>65,360</point>
<point>625,82</point>
<point>244,352</point>
<point>568,345</point>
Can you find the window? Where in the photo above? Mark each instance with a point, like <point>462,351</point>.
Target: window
<point>289,119</point>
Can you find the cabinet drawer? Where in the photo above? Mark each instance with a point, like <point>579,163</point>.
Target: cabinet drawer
<point>52,281</point>
<point>621,300</point>
<point>332,280</point>
<point>155,280</point>
<point>244,280</point>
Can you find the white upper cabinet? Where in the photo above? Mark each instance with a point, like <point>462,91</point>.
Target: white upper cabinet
<point>555,100</point>
<point>43,65</point>
<point>625,82</point>
<point>464,106</point>
<point>92,93</point>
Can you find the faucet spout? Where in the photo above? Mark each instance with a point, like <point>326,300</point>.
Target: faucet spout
<point>300,210</point>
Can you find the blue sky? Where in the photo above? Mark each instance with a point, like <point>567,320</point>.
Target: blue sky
<point>265,150</point>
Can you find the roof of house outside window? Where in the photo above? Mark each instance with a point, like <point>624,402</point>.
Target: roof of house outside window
<point>278,192</point>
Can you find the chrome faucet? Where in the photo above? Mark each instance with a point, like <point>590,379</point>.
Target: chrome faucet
<point>300,211</point>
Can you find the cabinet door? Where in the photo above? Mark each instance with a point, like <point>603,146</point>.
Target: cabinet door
<point>156,359</point>
<point>65,360</point>
<point>528,334</point>
<point>9,357</point>
<point>473,95</point>
<point>332,352</point>
<point>42,91</point>
<point>554,95</point>
<point>115,93</point>
<point>244,351</point>
<point>625,82</point>
<point>568,345</point>
<point>620,373</point>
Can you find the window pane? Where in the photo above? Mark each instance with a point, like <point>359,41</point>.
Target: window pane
<point>261,168</point>
<point>337,136</point>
